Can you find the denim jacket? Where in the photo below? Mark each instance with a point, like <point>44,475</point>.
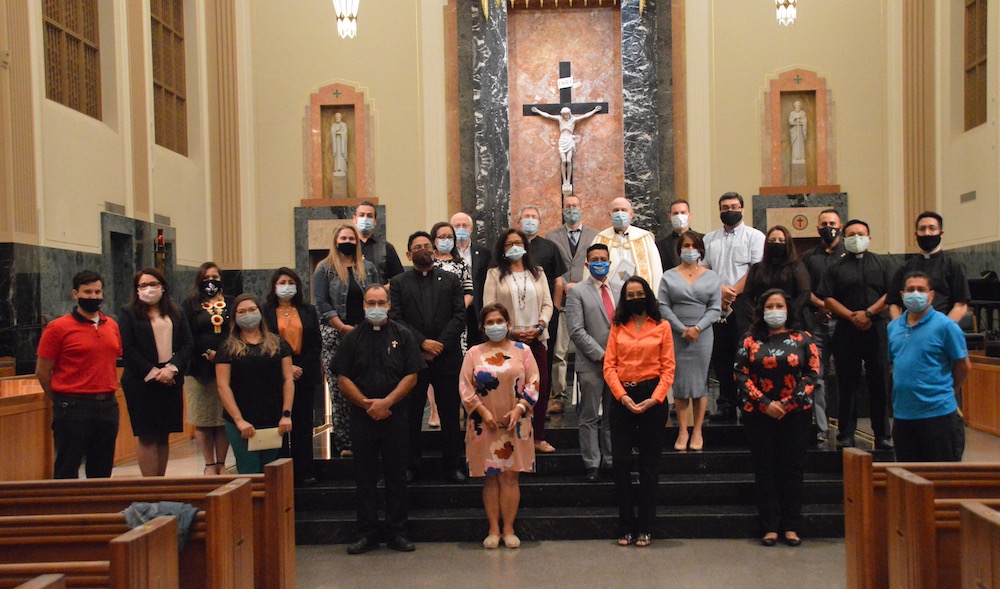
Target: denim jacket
<point>330,293</point>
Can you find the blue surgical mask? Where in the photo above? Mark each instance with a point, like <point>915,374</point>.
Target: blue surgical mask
<point>599,269</point>
<point>620,219</point>
<point>376,315</point>
<point>775,318</point>
<point>690,256</point>
<point>529,226</point>
<point>915,302</point>
<point>515,253</point>
<point>496,332</point>
<point>285,291</point>
<point>248,321</point>
<point>462,235</point>
<point>366,224</point>
<point>445,245</point>
<point>572,216</point>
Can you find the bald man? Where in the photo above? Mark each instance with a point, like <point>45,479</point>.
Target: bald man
<point>478,258</point>
<point>633,250</point>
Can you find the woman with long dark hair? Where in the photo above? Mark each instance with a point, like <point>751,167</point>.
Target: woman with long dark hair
<point>520,286</point>
<point>296,321</point>
<point>639,370</point>
<point>254,371</point>
<point>157,346</point>
<point>207,310</point>
<point>780,268</point>
<point>776,370</point>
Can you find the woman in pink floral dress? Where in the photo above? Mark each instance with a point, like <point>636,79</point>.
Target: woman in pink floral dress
<point>499,387</point>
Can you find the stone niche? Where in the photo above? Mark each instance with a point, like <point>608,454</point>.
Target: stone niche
<point>354,179</point>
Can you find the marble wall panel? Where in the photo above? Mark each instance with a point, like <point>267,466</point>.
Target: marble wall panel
<point>761,203</point>
<point>538,40</point>
<point>304,264</point>
<point>665,108</point>
<point>466,13</point>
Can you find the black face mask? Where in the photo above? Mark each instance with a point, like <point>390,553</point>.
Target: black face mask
<point>776,253</point>
<point>347,248</point>
<point>210,288</point>
<point>928,243</point>
<point>829,235</point>
<point>636,306</point>
<point>731,218</point>
<point>89,305</point>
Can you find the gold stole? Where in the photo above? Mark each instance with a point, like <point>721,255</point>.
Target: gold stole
<point>639,253</point>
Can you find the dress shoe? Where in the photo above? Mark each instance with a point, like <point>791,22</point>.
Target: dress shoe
<point>769,541</point>
<point>593,475</point>
<point>792,540</point>
<point>362,546</point>
<point>511,541</point>
<point>695,445</point>
<point>681,444</point>
<point>491,541</point>
<point>555,407</point>
<point>884,444</point>
<point>544,447</point>
<point>845,441</point>
<point>401,543</point>
<point>456,476</point>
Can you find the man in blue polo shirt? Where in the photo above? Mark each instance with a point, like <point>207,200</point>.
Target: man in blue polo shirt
<point>930,361</point>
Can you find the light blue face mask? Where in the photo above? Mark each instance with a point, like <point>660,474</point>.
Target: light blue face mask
<point>572,216</point>
<point>445,245</point>
<point>285,291</point>
<point>599,269</point>
<point>376,315</point>
<point>690,256</point>
<point>496,332</point>
<point>515,253</point>
<point>620,219</point>
<point>462,235</point>
<point>529,226</point>
<point>915,302</point>
<point>366,225</point>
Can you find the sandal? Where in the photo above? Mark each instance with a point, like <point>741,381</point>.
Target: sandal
<point>769,539</point>
<point>220,468</point>
<point>626,540</point>
<point>643,540</point>
<point>346,453</point>
<point>210,465</point>
<point>491,541</point>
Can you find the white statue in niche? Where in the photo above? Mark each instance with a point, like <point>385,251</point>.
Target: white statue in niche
<point>338,143</point>
<point>797,132</point>
<point>567,140</point>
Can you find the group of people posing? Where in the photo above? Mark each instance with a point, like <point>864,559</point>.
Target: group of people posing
<point>490,330</point>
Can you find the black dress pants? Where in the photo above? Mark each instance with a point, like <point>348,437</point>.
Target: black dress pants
<point>851,348</point>
<point>778,448</point>
<point>935,439</point>
<point>84,429</point>
<point>449,405</point>
<point>647,432</point>
<point>298,445</point>
<point>724,346</point>
<point>386,440</point>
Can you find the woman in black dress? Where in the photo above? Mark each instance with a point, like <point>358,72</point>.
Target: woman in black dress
<point>157,345</point>
<point>297,322</point>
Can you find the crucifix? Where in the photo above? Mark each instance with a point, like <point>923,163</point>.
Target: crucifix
<point>567,114</point>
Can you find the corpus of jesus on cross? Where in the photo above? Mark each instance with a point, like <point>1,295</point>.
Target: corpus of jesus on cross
<point>567,114</point>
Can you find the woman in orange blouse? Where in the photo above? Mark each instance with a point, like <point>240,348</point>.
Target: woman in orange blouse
<point>639,370</point>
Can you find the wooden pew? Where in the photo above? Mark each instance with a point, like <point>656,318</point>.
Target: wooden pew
<point>865,510</point>
<point>45,582</point>
<point>272,495</point>
<point>219,553</point>
<point>980,546</point>
<point>923,531</point>
<point>143,558</point>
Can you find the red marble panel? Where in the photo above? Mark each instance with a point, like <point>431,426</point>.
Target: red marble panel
<point>589,38</point>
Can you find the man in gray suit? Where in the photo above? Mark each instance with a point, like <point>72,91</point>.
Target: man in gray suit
<point>590,308</point>
<point>571,239</point>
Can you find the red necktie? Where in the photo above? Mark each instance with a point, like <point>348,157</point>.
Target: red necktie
<point>609,307</point>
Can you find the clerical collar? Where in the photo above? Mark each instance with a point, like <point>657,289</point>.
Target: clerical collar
<point>376,327</point>
<point>424,272</point>
<point>928,255</point>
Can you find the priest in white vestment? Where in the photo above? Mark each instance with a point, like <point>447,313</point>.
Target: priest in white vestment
<point>633,250</point>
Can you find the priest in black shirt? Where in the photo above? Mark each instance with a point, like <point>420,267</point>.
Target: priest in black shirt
<point>377,365</point>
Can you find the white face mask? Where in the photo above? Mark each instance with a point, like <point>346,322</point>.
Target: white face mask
<point>679,221</point>
<point>151,294</point>
<point>857,244</point>
<point>285,291</point>
<point>775,318</point>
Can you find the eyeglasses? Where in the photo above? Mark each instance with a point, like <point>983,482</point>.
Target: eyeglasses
<point>425,247</point>
<point>517,243</point>
<point>736,207</point>
<point>149,284</point>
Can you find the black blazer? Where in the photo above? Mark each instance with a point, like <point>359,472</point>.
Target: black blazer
<point>481,259</point>
<point>312,342</point>
<point>440,317</point>
<point>140,355</point>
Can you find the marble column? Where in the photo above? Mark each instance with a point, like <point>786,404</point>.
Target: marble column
<point>490,95</point>
<point>639,111</point>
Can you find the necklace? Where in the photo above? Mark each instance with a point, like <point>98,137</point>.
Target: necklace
<point>285,310</point>
<point>522,288</point>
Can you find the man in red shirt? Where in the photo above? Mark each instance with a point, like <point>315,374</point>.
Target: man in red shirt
<point>77,358</point>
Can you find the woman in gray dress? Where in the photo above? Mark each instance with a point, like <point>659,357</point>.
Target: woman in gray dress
<point>691,300</point>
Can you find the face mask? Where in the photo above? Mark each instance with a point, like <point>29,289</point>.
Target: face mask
<point>620,219</point>
<point>679,221</point>
<point>599,269</point>
<point>928,243</point>
<point>347,248</point>
<point>775,318</point>
<point>690,256</point>
<point>462,235</point>
<point>529,226</point>
<point>636,306</point>
<point>422,259</point>
<point>248,321</point>
<point>916,302</point>
<point>776,253</point>
<point>212,287</point>
<point>445,245</point>
<point>572,216</point>
<point>151,294</point>
<point>376,315</point>
<point>515,253</point>
<point>496,332</point>
<point>285,291</point>
<point>365,225</point>
<point>730,218</point>
<point>829,235</point>
<point>857,244</point>
<point>89,305</point>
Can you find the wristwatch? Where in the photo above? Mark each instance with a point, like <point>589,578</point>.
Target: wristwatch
<point>286,413</point>
<point>868,313</point>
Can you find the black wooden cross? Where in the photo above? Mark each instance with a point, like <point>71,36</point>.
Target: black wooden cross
<point>565,99</point>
